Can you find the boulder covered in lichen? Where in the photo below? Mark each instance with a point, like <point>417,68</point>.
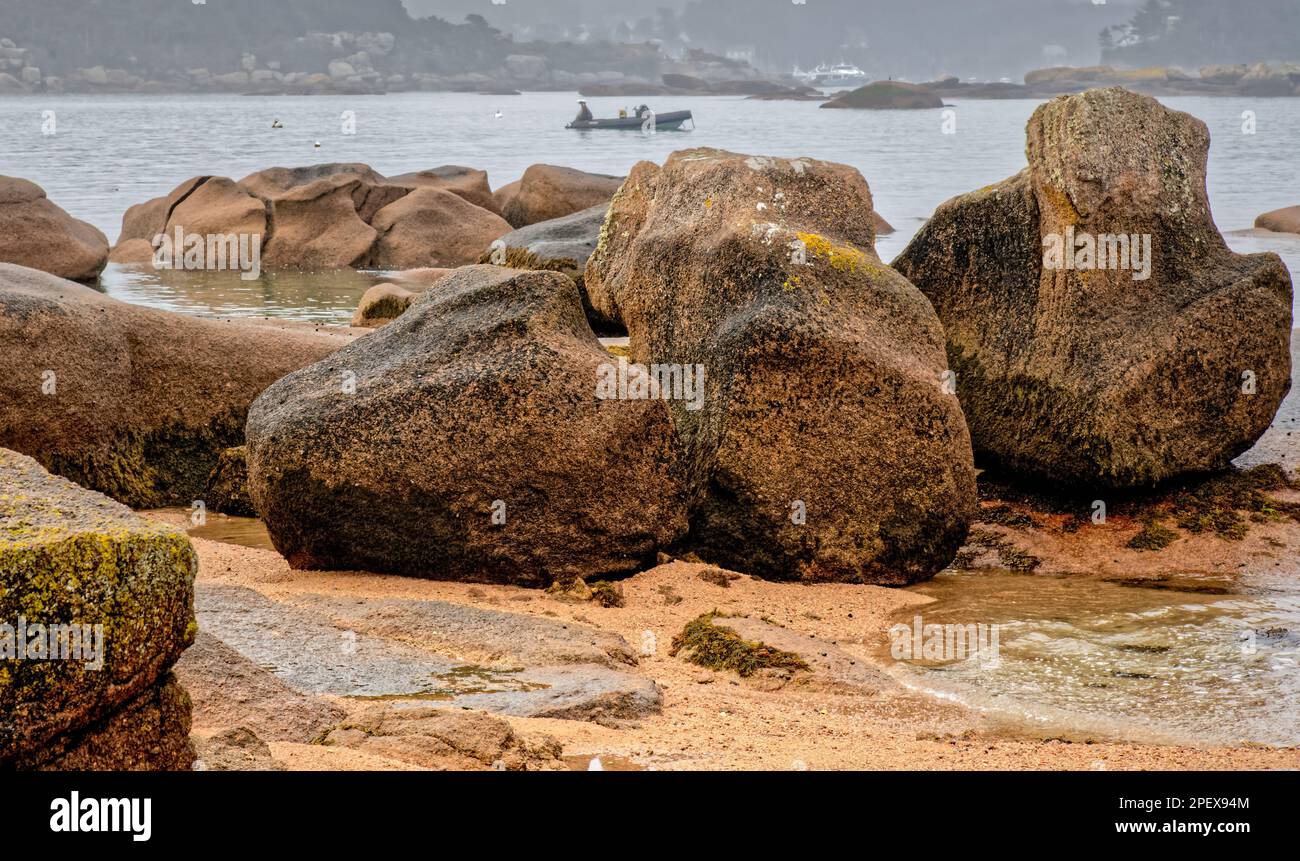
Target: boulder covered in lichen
<point>35,232</point>
<point>1101,331</point>
<point>96,604</point>
<point>466,441</point>
<point>823,445</point>
<point>558,245</point>
<point>129,401</point>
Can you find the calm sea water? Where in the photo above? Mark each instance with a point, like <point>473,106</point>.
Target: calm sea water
<point>1201,660</point>
<point>112,151</point>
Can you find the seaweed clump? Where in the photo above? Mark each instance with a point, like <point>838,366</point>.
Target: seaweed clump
<point>1009,556</point>
<point>1216,505</point>
<point>720,648</point>
<point>1154,536</point>
<point>607,594</point>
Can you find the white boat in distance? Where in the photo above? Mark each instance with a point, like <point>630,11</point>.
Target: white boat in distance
<point>839,75</point>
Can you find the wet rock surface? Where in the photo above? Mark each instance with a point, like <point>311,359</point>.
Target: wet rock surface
<point>229,690</point>
<point>412,651</point>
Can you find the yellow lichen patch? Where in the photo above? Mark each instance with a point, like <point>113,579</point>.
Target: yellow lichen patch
<point>1061,205</point>
<point>842,258</point>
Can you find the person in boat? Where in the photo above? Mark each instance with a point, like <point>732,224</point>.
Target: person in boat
<point>642,111</point>
<point>584,112</point>
<point>622,113</point>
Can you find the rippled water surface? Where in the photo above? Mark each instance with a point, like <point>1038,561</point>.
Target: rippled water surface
<point>113,151</point>
<point>1191,661</point>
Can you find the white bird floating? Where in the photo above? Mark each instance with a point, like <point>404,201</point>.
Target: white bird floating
<point>500,115</point>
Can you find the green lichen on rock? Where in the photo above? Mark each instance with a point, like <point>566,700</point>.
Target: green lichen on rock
<point>72,557</point>
<point>719,648</point>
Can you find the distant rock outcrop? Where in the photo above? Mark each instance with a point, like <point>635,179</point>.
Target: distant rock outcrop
<point>1101,332</point>
<point>36,233</point>
<point>327,216</point>
<point>887,95</point>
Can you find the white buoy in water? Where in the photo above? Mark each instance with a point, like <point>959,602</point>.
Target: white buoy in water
<point>595,764</point>
<point>500,115</point>
<point>317,144</point>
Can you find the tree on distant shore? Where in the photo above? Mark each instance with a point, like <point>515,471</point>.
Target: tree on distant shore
<point>1199,32</point>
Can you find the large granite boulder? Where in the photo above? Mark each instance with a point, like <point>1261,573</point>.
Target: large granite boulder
<point>546,192</point>
<point>465,441</point>
<point>35,232</point>
<point>825,446</point>
<point>144,221</point>
<point>432,228</point>
<point>132,402</point>
<point>1285,220</point>
<point>466,182</point>
<point>559,245</point>
<point>96,604</point>
<point>328,216</point>
<point>1171,357</point>
<point>317,226</point>
<point>275,181</point>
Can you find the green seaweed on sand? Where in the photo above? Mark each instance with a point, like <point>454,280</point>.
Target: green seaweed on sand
<point>720,648</point>
<point>1154,536</point>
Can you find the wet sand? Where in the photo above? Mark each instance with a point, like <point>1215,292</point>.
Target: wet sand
<point>714,720</point>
